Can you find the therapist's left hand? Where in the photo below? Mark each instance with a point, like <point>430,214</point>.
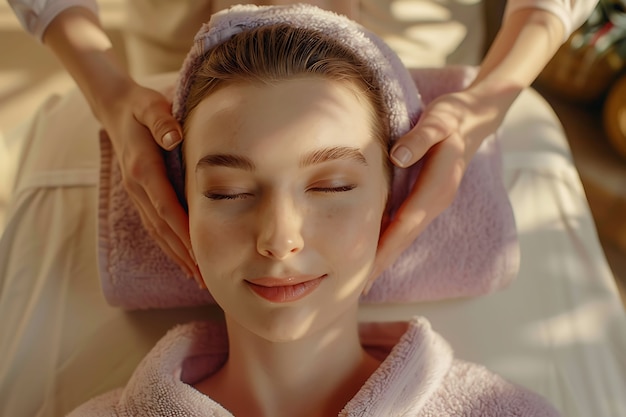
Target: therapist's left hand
<point>447,136</point>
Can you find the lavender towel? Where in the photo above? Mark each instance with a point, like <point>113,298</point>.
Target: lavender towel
<point>471,249</point>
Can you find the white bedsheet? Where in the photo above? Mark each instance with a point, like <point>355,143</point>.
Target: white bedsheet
<point>560,329</point>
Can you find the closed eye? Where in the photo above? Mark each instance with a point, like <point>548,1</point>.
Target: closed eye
<point>241,196</point>
<point>341,189</point>
<point>217,197</point>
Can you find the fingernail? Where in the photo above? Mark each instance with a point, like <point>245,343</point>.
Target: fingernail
<point>402,155</point>
<point>198,278</point>
<point>171,139</point>
<point>368,287</point>
<point>201,284</point>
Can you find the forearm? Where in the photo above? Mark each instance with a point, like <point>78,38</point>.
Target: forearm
<point>527,40</point>
<point>80,43</point>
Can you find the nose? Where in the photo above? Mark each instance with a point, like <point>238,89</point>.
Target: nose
<point>280,233</point>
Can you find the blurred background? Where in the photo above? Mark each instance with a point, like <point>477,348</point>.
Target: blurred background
<point>585,83</point>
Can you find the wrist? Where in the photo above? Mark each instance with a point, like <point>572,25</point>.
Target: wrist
<point>493,90</point>
<point>108,89</point>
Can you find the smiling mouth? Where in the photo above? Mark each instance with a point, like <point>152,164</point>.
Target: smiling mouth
<point>275,291</point>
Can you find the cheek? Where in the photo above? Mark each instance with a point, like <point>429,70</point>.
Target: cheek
<point>350,234</point>
<point>212,238</point>
<point>217,245</point>
<point>348,243</point>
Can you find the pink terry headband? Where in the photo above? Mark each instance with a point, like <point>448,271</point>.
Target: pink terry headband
<point>470,249</point>
<point>401,98</point>
<point>400,94</point>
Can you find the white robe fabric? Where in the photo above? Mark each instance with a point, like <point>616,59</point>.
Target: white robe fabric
<point>417,377</point>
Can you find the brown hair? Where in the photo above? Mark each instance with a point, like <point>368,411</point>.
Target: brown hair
<point>272,53</point>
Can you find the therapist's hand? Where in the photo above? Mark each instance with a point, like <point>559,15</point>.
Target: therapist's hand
<point>452,127</point>
<point>447,135</point>
<point>138,122</point>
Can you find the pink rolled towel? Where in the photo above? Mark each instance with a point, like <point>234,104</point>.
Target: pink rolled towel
<point>470,249</point>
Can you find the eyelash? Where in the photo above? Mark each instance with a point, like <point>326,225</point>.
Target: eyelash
<point>341,189</point>
<point>218,197</point>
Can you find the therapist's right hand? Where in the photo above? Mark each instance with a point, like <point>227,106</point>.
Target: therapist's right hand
<point>139,122</point>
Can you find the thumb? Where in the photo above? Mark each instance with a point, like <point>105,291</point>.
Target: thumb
<point>169,140</point>
<point>162,125</point>
<point>410,148</point>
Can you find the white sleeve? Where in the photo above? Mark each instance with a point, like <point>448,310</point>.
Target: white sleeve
<point>36,15</point>
<point>572,13</point>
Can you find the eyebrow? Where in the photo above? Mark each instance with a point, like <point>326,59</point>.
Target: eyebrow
<point>313,158</point>
<point>226,160</point>
<point>332,154</point>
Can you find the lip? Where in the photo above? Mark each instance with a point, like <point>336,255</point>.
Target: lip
<point>287,289</point>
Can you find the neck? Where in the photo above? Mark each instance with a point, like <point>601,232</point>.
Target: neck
<point>312,376</point>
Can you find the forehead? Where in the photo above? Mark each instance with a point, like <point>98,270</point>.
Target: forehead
<point>307,111</point>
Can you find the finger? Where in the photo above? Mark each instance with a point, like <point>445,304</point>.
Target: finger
<point>432,193</point>
<point>166,205</point>
<point>199,279</point>
<point>146,181</point>
<point>191,271</point>
<point>157,210</point>
<point>160,214</point>
<point>394,240</point>
<point>432,128</point>
<point>148,177</point>
<point>150,228</point>
<point>157,117</point>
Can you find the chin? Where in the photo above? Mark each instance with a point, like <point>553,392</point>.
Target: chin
<point>288,324</point>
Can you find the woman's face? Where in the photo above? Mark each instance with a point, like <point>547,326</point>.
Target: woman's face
<point>286,190</point>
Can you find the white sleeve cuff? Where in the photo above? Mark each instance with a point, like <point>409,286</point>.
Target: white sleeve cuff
<point>572,13</point>
<point>36,15</point>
